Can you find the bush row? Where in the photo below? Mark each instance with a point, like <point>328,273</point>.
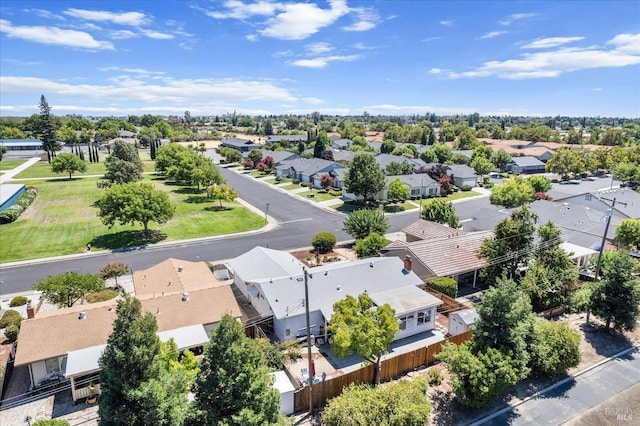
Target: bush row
<point>12,213</point>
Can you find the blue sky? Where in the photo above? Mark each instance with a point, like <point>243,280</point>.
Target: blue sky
<point>337,57</point>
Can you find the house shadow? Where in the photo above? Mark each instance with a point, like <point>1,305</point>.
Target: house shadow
<point>127,240</point>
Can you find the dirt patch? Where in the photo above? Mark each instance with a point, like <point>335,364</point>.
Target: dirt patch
<point>596,344</point>
<point>311,258</point>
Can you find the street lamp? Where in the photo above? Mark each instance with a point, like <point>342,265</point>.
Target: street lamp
<point>266,213</point>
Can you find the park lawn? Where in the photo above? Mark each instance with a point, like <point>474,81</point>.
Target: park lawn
<point>388,208</point>
<point>10,164</point>
<point>62,221</point>
<point>43,170</point>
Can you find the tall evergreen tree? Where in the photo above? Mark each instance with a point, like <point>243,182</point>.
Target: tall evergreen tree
<point>128,361</point>
<point>233,386</point>
<point>46,129</point>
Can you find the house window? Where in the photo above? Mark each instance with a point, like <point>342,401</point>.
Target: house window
<point>406,322</point>
<point>424,317</point>
<point>432,191</point>
<point>52,365</point>
<point>287,332</point>
<point>415,191</point>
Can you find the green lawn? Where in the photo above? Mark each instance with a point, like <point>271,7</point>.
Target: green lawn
<point>318,195</point>
<point>389,208</point>
<point>62,221</point>
<point>43,170</point>
<point>459,195</point>
<point>290,186</point>
<point>10,164</point>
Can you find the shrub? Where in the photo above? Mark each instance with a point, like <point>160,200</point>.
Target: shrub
<point>18,301</point>
<point>370,246</point>
<point>10,214</point>
<point>541,196</point>
<point>445,285</point>
<point>489,185</point>
<point>10,317</point>
<point>434,377</point>
<point>324,241</point>
<point>465,188</point>
<point>11,333</point>
<point>51,422</point>
<point>101,296</point>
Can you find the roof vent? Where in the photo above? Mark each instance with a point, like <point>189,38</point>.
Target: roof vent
<point>339,288</point>
<point>185,296</point>
<point>82,315</point>
<point>371,264</point>
<point>180,268</point>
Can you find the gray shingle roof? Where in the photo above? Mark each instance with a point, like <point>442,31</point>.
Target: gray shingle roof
<point>527,162</point>
<point>263,263</point>
<point>309,166</point>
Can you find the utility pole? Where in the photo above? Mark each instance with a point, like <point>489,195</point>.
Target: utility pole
<point>309,359</point>
<point>421,197</point>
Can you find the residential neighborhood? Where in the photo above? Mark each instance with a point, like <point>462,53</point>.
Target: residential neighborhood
<point>311,213</point>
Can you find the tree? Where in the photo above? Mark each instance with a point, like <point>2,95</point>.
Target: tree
<point>514,192</point>
<point>67,288</point>
<point>399,403</point>
<point>556,347</point>
<point>540,183</point>
<point>511,245</point>
<point>440,211</point>
<point>505,323</point>
<point>482,166</point>
<point>397,168</point>
<point>255,156</point>
<point>565,161</point>
<point>358,327</point>
<point>478,378</point>
<point>68,163</point>
<point>616,299</point>
<point>387,146</point>
<point>231,155</point>
<point>627,172</point>
<point>3,150</point>
<point>129,203</point>
<point>428,156</point>
<point>628,233</point>
<point>233,385</point>
<point>326,180</point>
<point>442,152</point>
<point>500,159</point>
<point>320,144</point>
<point>364,176</point>
<point>370,245</point>
<point>46,129</point>
<point>360,223</point>
<point>123,165</point>
<point>467,139</point>
<point>324,241</point>
<point>113,270</point>
<point>128,361</point>
<point>222,192</point>
<point>397,190</point>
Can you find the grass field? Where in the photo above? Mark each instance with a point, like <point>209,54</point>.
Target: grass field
<point>43,170</point>
<point>10,164</point>
<point>318,195</point>
<point>62,221</point>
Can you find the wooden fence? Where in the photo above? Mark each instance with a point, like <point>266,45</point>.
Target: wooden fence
<point>389,369</point>
<point>553,312</point>
<point>449,304</point>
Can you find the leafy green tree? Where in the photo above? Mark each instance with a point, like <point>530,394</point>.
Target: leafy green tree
<point>458,158</point>
<point>255,156</point>
<point>222,192</point>
<point>440,211</point>
<point>428,156</point>
<point>128,361</point>
<point>370,245</point>
<point>442,152</point>
<point>68,163</point>
<point>481,150</point>
<point>233,386</point>
<point>467,139</point>
<point>46,129</point>
<point>320,144</point>
<point>514,192</point>
<point>358,327</point>
<point>540,183</point>
<point>556,347</point>
<point>129,203</point>
<point>397,190</point>
<point>324,241</point>
<point>113,270</point>
<point>565,161</point>
<point>482,166</point>
<point>616,299</point>
<point>360,223</point>
<point>364,177</point>
<point>511,245</point>
<point>387,146</point>
<point>399,403</point>
<point>397,168</point>
<point>628,233</point>
<point>123,165</point>
<point>67,288</point>
<point>505,323</point>
<point>67,135</point>
<point>627,172</point>
<point>205,173</point>
<point>500,159</point>
<point>231,155</point>
<point>478,378</point>
<point>3,150</point>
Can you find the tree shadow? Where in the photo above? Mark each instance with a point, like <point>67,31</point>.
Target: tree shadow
<point>188,190</point>
<point>606,342</point>
<point>197,199</point>
<point>218,208</point>
<point>127,240</point>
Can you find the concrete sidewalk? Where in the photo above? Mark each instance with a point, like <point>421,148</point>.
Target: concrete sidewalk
<point>10,174</point>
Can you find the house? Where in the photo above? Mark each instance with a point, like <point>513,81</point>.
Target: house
<point>342,144</point>
<point>454,256</point>
<point>385,280</point>
<point>21,144</point>
<point>288,138</point>
<point>242,145</point>
<point>419,185</point>
<point>125,134</point>
<point>462,321</point>
<point>278,156</point>
<point>424,229</point>
<point>304,169</point>
<point>462,175</point>
<point>526,165</point>
<point>343,157</point>
<point>174,276</point>
<point>384,160</point>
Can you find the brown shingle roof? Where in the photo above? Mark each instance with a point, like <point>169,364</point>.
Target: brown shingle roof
<point>425,229</point>
<point>55,333</point>
<point>166,278</point>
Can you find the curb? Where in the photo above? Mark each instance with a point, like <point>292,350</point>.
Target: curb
<point>553,386</point>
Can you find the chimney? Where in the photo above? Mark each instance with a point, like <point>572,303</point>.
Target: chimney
<point>31,310</point>
<point>407,262</point>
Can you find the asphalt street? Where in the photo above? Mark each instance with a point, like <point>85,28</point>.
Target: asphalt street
<point>298,221</point>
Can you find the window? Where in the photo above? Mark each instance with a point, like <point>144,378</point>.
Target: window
<point>52,365</point>
<point>432,191</point>
<point>415,191</point>
<point>288,332</point>
<point>424,317</point>
<point>406,322</point>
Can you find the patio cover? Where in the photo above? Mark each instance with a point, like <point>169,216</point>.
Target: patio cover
<point>85,361</point>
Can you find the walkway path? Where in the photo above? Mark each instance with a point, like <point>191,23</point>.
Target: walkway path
<point>9,174</point>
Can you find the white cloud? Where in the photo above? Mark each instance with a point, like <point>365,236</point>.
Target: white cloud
<point>157,35</point>
<point>517,17</point>
<point>122,34</point>
<point>560,61</point>
<point>123,18</point>
<point>318,48</point>
<point>54,36</point>
<point>132,70</point>
<point>435,71</point>
<point>297,21</point>
<point>597,89</point>
<point>492,34</point>
<point>428,39</point>
<point>238,10</point>
<point>367,18</point>
<point>323,61</point>
<point>252,37</point>
<point>415,109</point>
<point>447,23</point>
<point>45,14</point>
<point>545,43</point>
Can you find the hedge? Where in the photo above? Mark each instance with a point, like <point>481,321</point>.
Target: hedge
<point>11,333</point>
<point>18,301</point>
<point>445,285</point>
<point>13,212</point>
<point>10,317</point>
<point>324,241</point>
